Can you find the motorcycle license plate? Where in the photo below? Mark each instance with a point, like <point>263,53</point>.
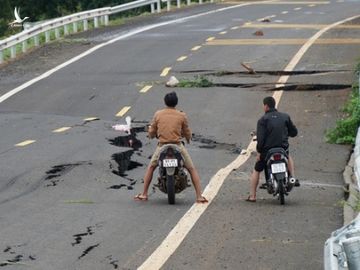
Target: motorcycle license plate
<point>278,168</point>
<point>170,163</point>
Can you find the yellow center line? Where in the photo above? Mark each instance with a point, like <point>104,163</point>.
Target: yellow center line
<point>285,12</point>
<point>210,38</point>
<point>196,48</point>
<point>312,5</point>
<point>146,88</point>
<point>298,8</point>
<point>221,42</point>
<point>223,33</point>
<point>165,71</point>
<point>24,143</point>
<point>61,129</point>
<point>123,111</point>
<point>235,27</point>
<point>181,58</point>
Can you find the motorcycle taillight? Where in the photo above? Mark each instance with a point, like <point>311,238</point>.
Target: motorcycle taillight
<point>277,156</point>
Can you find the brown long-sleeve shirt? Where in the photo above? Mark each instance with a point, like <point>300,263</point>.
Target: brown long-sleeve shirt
<point>170,126</point>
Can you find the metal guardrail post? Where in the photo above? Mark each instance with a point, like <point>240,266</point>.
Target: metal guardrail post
<point>96,22</point>
<point>13,51</point>
<point>47,36</point>
<point>106,19</point>
<point>178,3</point>
<point>75,27</point>
<point>85,25</point>
<point>168,3</point>
<point>57,33</point>
<point>36,41</point>
<point>158,6</point>
<point>66,30</point>
<point>152,7</point>
<point>24,46</point>
<point>352,251</point>
<point>188,2</point>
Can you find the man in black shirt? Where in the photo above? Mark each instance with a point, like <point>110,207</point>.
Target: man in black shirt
<point>273,130</point>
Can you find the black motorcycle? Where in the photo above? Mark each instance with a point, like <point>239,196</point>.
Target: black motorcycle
<point>277,173</point>
<point>173,177</point>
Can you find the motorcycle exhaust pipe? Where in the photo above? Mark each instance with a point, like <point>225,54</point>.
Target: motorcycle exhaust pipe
<point>292,180</point>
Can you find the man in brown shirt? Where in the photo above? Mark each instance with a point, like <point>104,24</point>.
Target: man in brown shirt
<point>169,126</point>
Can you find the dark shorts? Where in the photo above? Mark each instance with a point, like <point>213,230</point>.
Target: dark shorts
<point>260,165</point>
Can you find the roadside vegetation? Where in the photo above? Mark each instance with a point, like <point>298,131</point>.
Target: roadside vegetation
<point>346,128</point>
<point>198,81</point>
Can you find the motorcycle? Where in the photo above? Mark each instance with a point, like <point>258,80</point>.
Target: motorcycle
<point>173,177</point>
<point>277,174</point>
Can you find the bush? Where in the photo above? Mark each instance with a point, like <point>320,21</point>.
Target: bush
<point>346,129</point>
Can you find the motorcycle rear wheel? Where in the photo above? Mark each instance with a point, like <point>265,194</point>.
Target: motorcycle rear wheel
<point>282,193</point>
<point>170,187</point>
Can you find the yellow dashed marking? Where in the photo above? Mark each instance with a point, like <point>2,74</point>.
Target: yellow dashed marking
<point>312,5</point>
<point>146,88</point>
<point>165,71</point>
<point>285,12</point>
<point>61,129</point>
<point>181,58</point>
<point>223,33</point>
<point>235,27</point>
<point>304,26</point>
<point>24,143</point>
<point>123,111</point>
<point>298,8</point>
<point>221,42</point>
<point>210,38</point>
<point>196,48</point>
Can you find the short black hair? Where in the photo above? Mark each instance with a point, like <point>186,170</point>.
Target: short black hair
<point>171,99</point>
<point>270,101</point>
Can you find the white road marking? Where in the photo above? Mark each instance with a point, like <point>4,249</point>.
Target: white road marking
<point>157,259</point>
<point>25,143</point>
<point>285,12</point>
<point>181,58</point>
<point>63,129</point>
<point>196,48</point>
<point>129,34</point>
<point>91,119</point>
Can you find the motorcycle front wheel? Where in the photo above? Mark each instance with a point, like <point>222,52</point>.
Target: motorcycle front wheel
<point>170,187</point>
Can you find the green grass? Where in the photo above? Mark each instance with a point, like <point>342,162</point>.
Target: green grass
<point>346,128</point>
<point>198,81</point>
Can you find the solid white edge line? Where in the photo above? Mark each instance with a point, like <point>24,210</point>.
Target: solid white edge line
<point>131,33</point>
<point>173,240</point>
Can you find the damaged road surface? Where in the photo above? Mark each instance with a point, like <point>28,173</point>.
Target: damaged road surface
<point>68,179</point>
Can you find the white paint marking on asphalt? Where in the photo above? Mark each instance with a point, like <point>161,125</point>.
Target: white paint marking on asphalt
<point>157,259</point>
<point>196,48</point>
<point>181,58</point>
<point>63,129</point>
<point>129,34</point>
<point>91,119</point>
<point>298,8</point>
<point>165,72</point>
<point>25,143</point>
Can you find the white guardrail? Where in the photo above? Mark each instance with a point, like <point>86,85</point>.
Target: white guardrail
<point>342,249</point>
<point>70,24</point>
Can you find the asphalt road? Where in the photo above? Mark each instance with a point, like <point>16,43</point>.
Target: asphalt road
<point>66,195</point>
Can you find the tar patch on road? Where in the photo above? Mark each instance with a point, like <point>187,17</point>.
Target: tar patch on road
<point>54,174</point>
<point>15,256</point>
